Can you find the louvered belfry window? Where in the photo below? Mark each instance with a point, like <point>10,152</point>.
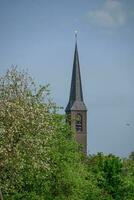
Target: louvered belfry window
<point>78,123</point>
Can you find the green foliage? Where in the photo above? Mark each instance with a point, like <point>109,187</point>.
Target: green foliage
<point>131,156</point>
<point>128,172</point>
<point>113,175</point>
<point>38,153</point>
<point>39,158</point>
<point>26,129</point>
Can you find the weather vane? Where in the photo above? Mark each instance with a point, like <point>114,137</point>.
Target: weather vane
<point>76,33</point>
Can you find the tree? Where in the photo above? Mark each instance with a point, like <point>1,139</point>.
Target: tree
<point>113,175</point>
<point>128,174</point>
<point>39,156</point>
<point>131,156</point>
<point>27,126</point>
<point>107,170</point>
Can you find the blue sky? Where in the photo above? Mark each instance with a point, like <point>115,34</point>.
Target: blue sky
<point>38,35</point>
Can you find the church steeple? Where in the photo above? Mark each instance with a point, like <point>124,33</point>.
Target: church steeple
<point>76,94</point>
<point>76,109</point>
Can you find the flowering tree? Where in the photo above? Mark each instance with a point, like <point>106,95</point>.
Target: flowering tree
<point>27,126</point>
<point>39,157</point>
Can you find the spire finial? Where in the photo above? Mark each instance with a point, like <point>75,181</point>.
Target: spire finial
<point>76,33</point>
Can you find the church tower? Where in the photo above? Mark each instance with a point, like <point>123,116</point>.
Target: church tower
<point>76,110</point>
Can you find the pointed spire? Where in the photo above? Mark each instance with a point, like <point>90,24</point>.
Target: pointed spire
<point>76,86</point>
<point>76,94</point>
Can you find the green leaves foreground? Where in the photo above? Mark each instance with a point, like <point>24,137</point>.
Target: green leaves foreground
<point>39,158</point>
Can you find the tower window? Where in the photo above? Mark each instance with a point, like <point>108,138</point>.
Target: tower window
<point>78,122</point>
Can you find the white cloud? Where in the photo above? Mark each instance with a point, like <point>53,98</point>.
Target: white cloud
<point>111,14</point>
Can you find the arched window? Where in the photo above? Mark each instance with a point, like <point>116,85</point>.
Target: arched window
<point>78,122</point>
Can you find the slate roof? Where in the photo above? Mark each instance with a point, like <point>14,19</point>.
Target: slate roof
<point>76,95</point>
